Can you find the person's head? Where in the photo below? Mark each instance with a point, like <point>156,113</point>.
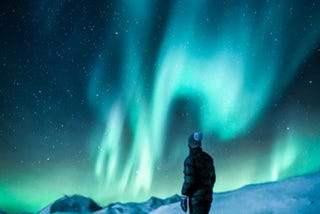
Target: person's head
<point>194,140</point>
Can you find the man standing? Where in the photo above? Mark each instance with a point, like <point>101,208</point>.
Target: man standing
<point>199,178</point>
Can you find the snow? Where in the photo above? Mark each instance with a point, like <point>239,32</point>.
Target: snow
<point>296,195</point>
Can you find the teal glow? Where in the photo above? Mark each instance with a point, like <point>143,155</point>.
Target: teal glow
<point>33,191</point>
<point>231,68</point>
<point>99,97</point>
<point>296,153</point>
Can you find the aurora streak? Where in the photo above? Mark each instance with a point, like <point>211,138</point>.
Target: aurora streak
<point>227,66</point>
<point>99,98</point>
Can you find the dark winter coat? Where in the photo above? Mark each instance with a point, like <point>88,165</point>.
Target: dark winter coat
<point>199,176</point>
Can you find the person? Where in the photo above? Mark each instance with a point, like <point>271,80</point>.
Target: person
<point>199,178</point>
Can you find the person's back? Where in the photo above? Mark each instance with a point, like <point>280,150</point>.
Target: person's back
<point>199,177</point>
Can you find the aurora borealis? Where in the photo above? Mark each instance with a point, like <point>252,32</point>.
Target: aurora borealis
<point>99,98</point>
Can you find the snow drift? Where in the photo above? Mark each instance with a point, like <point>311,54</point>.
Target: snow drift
<point>295,195</point>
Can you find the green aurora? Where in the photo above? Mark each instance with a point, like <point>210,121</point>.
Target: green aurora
<point>159,70</point>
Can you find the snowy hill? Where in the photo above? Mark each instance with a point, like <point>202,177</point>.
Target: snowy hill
<point>81,204</point>
<point>295,195</point>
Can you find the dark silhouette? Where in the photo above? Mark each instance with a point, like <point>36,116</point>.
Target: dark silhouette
<point>75,204</point>
<point>199,178</point>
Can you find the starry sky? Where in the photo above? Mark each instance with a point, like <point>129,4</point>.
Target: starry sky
<point>99,97</point>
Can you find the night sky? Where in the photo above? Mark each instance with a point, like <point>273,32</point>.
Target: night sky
<point>99,97</point>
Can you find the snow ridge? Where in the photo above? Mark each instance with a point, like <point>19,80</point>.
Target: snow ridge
<point>299,195</point>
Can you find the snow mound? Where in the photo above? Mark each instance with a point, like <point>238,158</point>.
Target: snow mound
<point>139,208</point>
<point>80,204</point>
<point>293,196</point>
<point>297,195</point>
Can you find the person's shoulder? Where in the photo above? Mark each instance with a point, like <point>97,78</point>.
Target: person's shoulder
<point>207,155</point>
